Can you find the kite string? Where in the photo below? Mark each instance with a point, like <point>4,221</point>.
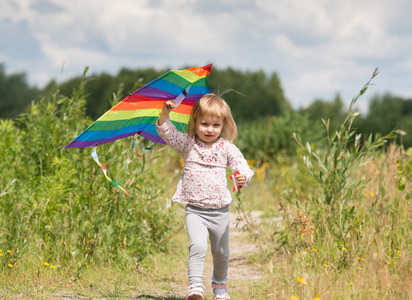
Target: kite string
<point>134,141</point>
<point>233,178</point>
<point>96,159</point>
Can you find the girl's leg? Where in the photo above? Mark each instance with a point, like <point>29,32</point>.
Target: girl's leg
<point>197,233</point>
<point>219,244</point>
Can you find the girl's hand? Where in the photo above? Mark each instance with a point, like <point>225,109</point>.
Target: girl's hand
<point>241,180</point>
<point>168,106</point>
<point>166,109</point>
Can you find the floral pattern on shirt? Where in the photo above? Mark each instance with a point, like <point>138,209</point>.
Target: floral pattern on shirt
<point>203,182</point>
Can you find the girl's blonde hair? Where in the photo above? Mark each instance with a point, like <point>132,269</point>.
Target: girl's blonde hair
<point>213,106</point>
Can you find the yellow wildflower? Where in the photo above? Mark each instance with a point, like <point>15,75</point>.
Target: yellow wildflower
<point>314,249</point>
<point>1,251</point>
<point>326,265</point>
<point>317,297</point>
<point>301,280</point>
<point>52,267</point>
<point>359,268</point>
<point>360,259</point>
<point>371,193</point>
<point>293,297</point>
<point>10,265</point>
<point>46,264</point>
<point>8,251</point>
<point>351,283</point>
<point>1,254</point>
<point>344,249</point>
<point>181,161</point>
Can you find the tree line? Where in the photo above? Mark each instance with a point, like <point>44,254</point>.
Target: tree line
<point>252,95</point>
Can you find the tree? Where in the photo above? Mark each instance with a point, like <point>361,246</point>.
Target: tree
<point>387,112</point>
<point>15,93</point>
<point>254,96</point>
<point>332,110</point>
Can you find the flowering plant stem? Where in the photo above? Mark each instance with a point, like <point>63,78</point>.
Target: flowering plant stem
<point>333,168</point>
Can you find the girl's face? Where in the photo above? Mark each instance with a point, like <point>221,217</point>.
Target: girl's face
<point>208,129</point>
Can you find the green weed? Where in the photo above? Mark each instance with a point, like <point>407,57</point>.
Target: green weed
<point>56,207</point>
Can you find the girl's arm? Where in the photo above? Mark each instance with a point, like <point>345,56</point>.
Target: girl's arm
<point>237,162</point>
<point>166,109</point>
<point>168,132</point>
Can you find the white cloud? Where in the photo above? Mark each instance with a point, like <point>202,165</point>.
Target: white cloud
<point>318,48</point>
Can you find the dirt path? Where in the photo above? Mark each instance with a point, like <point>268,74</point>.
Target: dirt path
<point>165,278</point>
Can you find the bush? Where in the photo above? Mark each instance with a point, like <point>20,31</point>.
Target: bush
<point>264,139</point>
<point>57,207</point>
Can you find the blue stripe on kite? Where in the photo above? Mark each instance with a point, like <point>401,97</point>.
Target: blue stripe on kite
<point>151,129</point>
<point>199,90</point>
<point>91,135</point>
<point>106,134</point>
<point>168,87</point>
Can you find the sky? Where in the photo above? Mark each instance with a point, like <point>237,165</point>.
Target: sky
<point>318,48</point>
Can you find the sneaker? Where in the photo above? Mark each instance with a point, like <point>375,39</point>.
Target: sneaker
<point>221,296</point>
<point>195,293</point>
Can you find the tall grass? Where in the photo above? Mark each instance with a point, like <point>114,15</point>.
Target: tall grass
<point>58,210</point>
<point>333,168</point>
<point>341,229</point>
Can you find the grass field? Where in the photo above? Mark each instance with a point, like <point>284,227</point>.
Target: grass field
<point>331,221</point>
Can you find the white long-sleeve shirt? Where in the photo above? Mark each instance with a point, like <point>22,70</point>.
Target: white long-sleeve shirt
<point>203,182</point>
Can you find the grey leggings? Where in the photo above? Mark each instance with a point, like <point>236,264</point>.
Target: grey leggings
<point>200,222</point>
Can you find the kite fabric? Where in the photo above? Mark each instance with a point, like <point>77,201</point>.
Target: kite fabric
<point>138,112</point>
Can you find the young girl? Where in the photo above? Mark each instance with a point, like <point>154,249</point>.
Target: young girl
<point>207,150</point>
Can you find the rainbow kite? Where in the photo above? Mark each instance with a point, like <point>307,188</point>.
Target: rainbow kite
<point>138,112</point>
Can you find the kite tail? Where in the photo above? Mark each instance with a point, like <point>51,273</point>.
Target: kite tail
<point>96,159</point>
